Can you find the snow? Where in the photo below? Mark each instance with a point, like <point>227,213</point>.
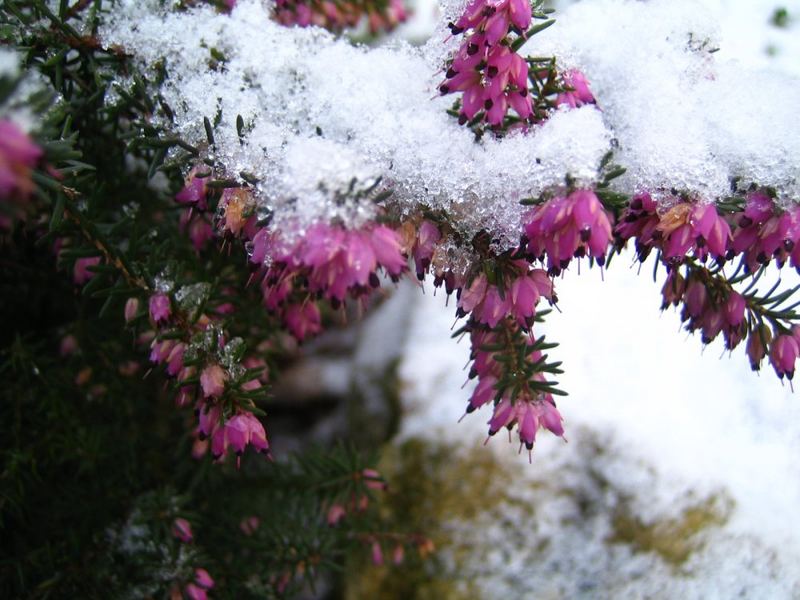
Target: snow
<point>685,116</point>
<point>665,424</point>
<point>377,107</point>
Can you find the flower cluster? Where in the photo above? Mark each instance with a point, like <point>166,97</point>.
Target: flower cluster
<point>575,225</point>
<point>198,358</point>
<point>712,306</point>
<point>761,232</point>
<point>325,262</point>
<point>576,90</point>
<point>499,302</point>
<point>194,220</point>
<point>492,76</point>
<point>710,309</point>
<point>516,296</point>
<point>506,362</point>
<point>197,588</point>
<point>339,15</point>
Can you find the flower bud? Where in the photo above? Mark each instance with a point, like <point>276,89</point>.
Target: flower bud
<point>131,309</point>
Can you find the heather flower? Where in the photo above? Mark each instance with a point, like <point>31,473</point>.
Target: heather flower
<point>185,396</point>
<point>238,208</point>
<point>175,359</point>
<point>757,345</point>
<point>673,290</point>
<point>501,84</point>
<point>735,309</point>
<point>195,190</point>
<point>18,155</point>
<point>373,480</point>
<point>182,529</point>
<point>696,227</point>
<point>328,261</point>
<point>391,16</point>
<point>696,299</point>
<point>203,579</point>
<point>335,514</point>
<point>197,227</point>
<point>428,237</point>
<point>68,346</point>
<point>160,309</point>
<point>337,16</point>
<point>529,414</point>
<point>567,227</point>
<point>377,554</point>
<point>249,525</point>
<point>303,320</point>
<point>388,250</point>
<point>195,592</point>
<point>81,272</point>
<point>238,432</point>
<point>640,221</point>
<point>577,92</point>
<point>131,309</point>
<point>212,381</point>
<point>783,355</point>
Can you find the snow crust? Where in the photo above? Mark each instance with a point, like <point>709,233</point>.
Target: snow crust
<point>377,110</point>
<point>319,111</point>
<point>685,116</point>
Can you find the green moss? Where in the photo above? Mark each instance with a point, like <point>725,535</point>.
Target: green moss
<point>674,540</point>
<point>433,487</point>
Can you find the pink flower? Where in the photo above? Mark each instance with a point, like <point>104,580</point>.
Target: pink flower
<point>757,345</point>
<point>203,579</point>
<point>131,309</point>
<point>195,191</point>
<point>240,431</point>
<point>160,309</point>
<point>577,90</point>
<point>303,320</point>
<point>18,156</point>
<point>563,228</point>
<point>175,359</point>
<point>783,355</point>
<point>198,228</point>
<point>696,227</point>
<point>501,84</point>
<point>195,592</point>
<point>69,345</point>
<point>182,529</point>
<point>388,251</point>
<point>249,525</point>
<point>335,514</point>
<point>373,480</point>
<point>696,299</point>
<point>81,272</point>
<point>212,381</point>
<point>735,309</point>
<point>377,554</point>
<point>673,290</point>
<point>640,221</point>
